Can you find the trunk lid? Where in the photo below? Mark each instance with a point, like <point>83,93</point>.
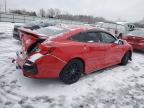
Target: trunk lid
<point>30,39</point>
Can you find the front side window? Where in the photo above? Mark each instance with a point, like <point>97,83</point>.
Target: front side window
<point>107,38</point>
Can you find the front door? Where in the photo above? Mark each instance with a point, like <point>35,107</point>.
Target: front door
<point>113,52</point>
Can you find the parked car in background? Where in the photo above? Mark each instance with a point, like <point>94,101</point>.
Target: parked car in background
<point>136,39</point>
<point>113,28</point>
<point>128,26</point>
<point>116,28</point>
<point>67,52</point>
<point>32,26</point>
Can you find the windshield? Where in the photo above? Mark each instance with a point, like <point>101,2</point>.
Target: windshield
<point>137,33</point>
<point>51,30</point>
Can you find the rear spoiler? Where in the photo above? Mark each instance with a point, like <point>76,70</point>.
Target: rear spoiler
<point>38,38</point>
<point>30,32</point>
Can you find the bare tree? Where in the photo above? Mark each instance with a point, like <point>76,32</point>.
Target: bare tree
<point>1,7</point>
<point>42,13</point>
<point>53,13</point>
<point>23,12</point>
<point>50,13</point>
<point>57,12</point>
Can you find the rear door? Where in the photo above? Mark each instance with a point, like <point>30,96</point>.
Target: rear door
<point>113,51</point>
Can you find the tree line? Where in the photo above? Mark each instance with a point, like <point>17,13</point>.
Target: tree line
<point>58,14</point>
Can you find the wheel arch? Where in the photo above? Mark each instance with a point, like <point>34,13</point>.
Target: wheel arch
<point>130,52</point>
<point>76,58</point>
<point>130,57</point>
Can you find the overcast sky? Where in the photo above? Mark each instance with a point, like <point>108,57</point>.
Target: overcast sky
<point>130,10</point>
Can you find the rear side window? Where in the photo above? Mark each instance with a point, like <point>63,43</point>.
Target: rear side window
<point>86,37</point>
<point>78,37</point>
<point>107,38</point>
<point>93,37</point>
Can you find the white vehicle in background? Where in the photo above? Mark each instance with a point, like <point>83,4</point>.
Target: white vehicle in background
<point>117,29</point>
<point>128,26</point>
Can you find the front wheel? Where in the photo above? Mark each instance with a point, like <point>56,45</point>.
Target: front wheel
<point>72,72</point>
<point>125,59</point>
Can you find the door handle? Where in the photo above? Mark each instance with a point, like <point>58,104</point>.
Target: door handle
<point>85,47</point>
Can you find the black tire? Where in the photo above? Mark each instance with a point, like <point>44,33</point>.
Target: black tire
<point>125,59</point>
<point>72,72</point>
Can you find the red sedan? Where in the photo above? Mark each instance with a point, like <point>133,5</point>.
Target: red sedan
<point>136,39</point>
<point>66,52</point>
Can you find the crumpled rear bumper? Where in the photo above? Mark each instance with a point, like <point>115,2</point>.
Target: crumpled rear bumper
<point>40,66</point>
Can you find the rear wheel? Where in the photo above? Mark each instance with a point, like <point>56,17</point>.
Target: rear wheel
<point>72,72</point>
<point>125,59</point>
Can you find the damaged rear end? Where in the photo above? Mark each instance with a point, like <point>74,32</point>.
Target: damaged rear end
<point>28,54</point>
<point>35,58</point>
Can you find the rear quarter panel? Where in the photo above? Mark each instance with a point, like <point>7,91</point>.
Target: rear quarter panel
<point>67,51</point>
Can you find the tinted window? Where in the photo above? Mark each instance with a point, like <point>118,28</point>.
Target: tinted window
<point>78,37</point>
<point>107,38</point>
<point>92,37</point>
<point>86,37</point>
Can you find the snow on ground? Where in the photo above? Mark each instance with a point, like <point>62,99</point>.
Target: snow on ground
<point>114,87</point>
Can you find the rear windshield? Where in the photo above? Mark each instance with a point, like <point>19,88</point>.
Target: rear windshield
<point>137,33</point>
<point>51,30</point>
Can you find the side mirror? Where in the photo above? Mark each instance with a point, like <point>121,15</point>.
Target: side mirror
<point>120,36</point>
<point>119,42</point>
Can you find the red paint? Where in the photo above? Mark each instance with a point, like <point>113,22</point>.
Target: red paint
<point>137,42</point>
<point>59,51</point>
